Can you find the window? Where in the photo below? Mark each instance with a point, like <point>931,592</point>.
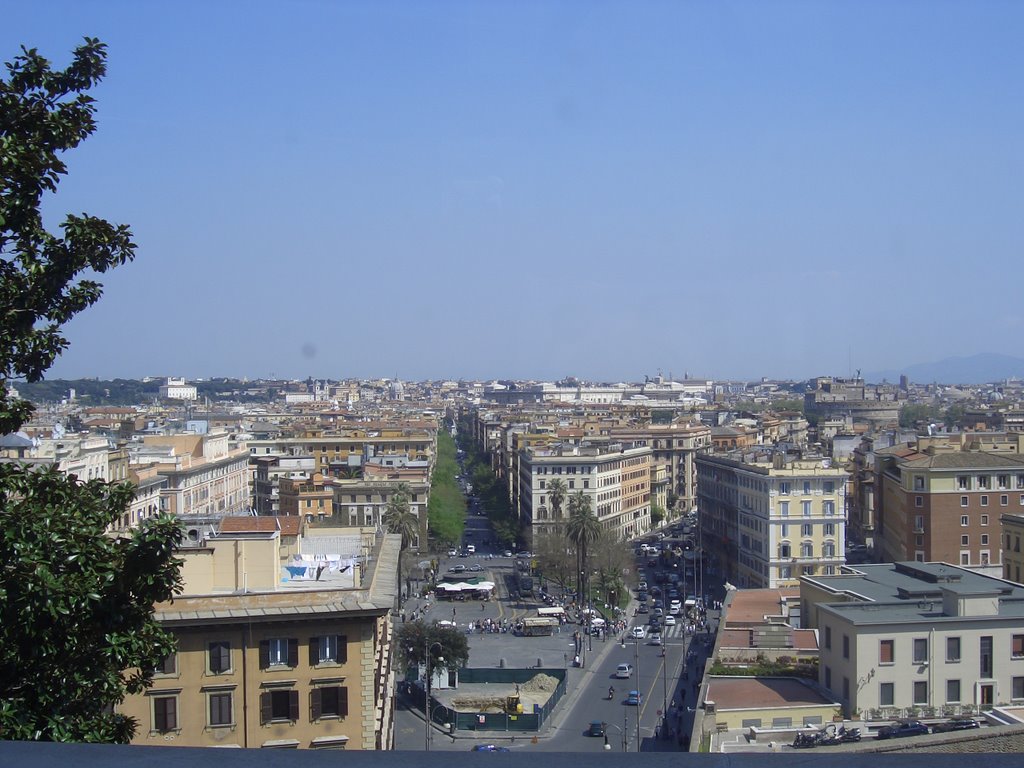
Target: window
<point>920,691</point>
<point>829,486</point>
<point>920,650</point>
<point>784,550</point>
<point>984,482</point>
<point>784,489</point>
<point>985,649</point>
<point>328,701</point>
<point>1018,688</point>
<point>984,500</point>
<point>885,694</point>
<point>963,482</point>
<point>328,649</point>
<point>919,501</point>
<point>220,708</point>
<point>984,519</point>
<point>805,507</point>
<point>918,483</point>
<point>279,652</point>
<point>918,522</point>
<point>807,487</point>
<point>963,501</point>
<point>846,646</point>
<point>1018,647</point>
<point>965,521</point>
<point>784,507</point>
<point>886,653</point>
<point>828,507</point>
<point>1004,500</point>
<point>807,529</point>
<point>165,713</point>
<point>168,666</point>
<point>952,691</point>
<point>830,529</point>
<point>952,650</point>
<point>984,539</point>
<point>828,638</point>
<point>828,677</point>
<point>965,541</point>
<point>219,657</point>
<point>279,705</point>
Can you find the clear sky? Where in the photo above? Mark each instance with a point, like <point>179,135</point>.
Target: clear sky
<point>541,189</point>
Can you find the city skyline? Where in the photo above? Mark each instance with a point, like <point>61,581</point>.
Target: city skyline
<point>728,190</point>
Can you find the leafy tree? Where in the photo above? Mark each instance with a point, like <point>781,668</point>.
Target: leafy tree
<point>447,646</point>
<point>554,557</point>
<point>657,515</point>
<point>610,559</point>
<point>77,631</point>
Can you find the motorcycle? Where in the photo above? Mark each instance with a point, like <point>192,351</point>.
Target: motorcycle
<point>611,694</point>
<point>848,736</point>
<point>806,740</point>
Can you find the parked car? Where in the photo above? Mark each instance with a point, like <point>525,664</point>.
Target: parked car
<point>624,671</point>
<point>489,748</point>
<point>956,724</point>
<point>596,728</point>
<point>903,728</point>
<point>634,698</point>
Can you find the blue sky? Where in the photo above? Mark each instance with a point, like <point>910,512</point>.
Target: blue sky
<point>534,190</point>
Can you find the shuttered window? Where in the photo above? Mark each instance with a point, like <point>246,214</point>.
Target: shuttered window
<point>886,654</point>
<point>328,649</point>
<point>279,652</point>
<point>328,701</point>
<point>279,705</point>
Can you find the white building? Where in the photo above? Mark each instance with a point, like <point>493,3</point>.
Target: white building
<point>178,389</point>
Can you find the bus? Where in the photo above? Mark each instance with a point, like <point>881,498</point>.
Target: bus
<point>539,626</point>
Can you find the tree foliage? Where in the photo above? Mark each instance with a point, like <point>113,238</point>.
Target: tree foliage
<point>447,646</point>
<point>446,510</point>
<point>77,631</point>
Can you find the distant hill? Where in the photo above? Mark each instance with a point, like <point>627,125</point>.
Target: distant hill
<point>975,369</point>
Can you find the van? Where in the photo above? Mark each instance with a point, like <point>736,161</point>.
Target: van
<point>470,549</point>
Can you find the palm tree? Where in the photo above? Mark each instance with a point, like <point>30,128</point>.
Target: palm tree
<point>556,490</point>
<point>583,529</point>
<point>398,518</point>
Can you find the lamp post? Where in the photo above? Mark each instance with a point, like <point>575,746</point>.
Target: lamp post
<point>621,733</point>
<point>636,666</point>
<point>427,648</point>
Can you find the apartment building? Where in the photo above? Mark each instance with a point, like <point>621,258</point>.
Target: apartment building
<point>771,522</point>
<point>205,476</point>
<point>1012,533</point>
<point>312,497</point>
<point>917,639</point>
<point>940,499</point>
<point>267,476</point>
<point>272,658</point>
<point>363,502</point>
<point>616,479</point>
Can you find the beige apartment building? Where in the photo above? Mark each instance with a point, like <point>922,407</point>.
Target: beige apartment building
<point>1013,559</point>
<point>271,657</point>
<point>917,639</point>
<point>771,522</point>
<point>940,499</point>
<point>616,479</point>
<point>205,476</point>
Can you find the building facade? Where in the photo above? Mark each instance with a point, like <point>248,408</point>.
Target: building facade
<point>769,523</point>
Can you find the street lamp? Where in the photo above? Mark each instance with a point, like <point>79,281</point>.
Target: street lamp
<point>636,666</point>
<point>621,732</point>
<point>428,647</point>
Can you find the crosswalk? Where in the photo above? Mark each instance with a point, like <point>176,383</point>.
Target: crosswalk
<point>674,631</point>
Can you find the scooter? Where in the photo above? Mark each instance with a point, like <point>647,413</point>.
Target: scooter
<point>611,694</point>
<point>847,736</point>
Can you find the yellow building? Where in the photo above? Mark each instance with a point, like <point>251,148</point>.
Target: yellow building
<point>277,657</point>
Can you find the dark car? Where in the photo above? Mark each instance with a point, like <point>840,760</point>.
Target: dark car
<point>956,724</point>
<point>596,728</point>
<point>489,748</point>
<point>902,728</point>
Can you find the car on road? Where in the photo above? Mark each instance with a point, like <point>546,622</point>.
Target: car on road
<point>634,698</point>
<point>624,671</point>
<point>655,638</point>
<point>659,611</point>
<point>674,608</point>
<point>642,608</point>
<point>457,568</point>
<point>670,620</point>
<point>507,553</point>
<point>452,552</point>
<point>596,728</point>
<point>956,724</point>
<point>489,748</point>
<point>638,632</point>
<point>903,728</point>
<point>476,567</point>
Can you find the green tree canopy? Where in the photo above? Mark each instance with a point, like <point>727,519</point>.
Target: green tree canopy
<point>77,631</point>
<point>447,646</point>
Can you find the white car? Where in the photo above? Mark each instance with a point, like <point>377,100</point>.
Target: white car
<point>674,608</point>
<point>655,638</point>
<point>624,671</point>
<point>670,620</point>
<point>638,632</point>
